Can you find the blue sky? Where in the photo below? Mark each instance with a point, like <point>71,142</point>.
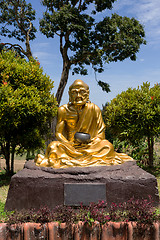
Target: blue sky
<point>121,75</point>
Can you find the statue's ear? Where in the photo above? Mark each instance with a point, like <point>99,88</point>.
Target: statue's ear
<point>88,96</point>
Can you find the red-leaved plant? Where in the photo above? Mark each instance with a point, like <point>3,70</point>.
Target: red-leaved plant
<point>138,210</point>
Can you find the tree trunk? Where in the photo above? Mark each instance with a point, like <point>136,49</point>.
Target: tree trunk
<point>63,81</point>
<point>53,127</point>
<point>7,157</point>
<point>150,150</point>
<point>61,87</point>
<point>28,50</point>
<point>12,160</point>
<point>64,77</point>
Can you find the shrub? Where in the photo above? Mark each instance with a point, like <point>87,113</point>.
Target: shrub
<point>140,211</point>
<point>27,105</point>
<point>134,115</point>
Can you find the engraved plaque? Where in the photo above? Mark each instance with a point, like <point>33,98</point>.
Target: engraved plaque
<point>77,193</point>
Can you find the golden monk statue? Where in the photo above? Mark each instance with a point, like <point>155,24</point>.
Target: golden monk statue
<point>80,117</point>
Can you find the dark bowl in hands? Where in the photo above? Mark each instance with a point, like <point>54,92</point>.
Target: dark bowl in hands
<point>82,137</point>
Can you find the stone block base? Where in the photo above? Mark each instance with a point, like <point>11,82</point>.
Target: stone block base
<point>34,187</point>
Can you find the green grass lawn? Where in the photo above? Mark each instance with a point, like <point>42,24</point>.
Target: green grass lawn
<point>3,193</point>
<point>4,186</point>
<point>158,182</point>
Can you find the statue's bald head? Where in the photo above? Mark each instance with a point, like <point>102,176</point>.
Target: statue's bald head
<point>78,92</point>
<point>79,83</point>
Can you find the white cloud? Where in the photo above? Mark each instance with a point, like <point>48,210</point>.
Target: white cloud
<point>43,44</point>
<point>146,11</point>
<point>40,54</point>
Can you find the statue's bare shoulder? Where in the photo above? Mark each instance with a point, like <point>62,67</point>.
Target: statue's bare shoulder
<point>62,112</point>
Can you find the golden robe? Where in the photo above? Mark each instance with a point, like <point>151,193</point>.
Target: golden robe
<point>62,154</point>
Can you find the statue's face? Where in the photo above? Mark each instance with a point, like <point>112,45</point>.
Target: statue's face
<point>78,95</point>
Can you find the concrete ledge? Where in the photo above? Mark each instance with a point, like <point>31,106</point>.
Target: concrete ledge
<point>80,231</point>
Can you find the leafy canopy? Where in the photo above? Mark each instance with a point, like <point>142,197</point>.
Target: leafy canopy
<point>85,41</point>
<point>135,113</point>
<point>27,103</point>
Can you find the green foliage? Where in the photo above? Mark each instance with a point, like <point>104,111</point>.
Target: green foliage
<point>4,181</point>
<point>138,151</point>
<point>3,214</point>
<point>27,104</point>
<point>119,37</point>
<point>135,114</point>
<point>89,218</point>
<point>105,86</point>
<point>4,178</point>
<point>1,46</point>
<point>1,207</point>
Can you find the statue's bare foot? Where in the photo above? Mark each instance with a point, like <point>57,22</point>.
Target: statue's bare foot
<point>55,163</point>
<point>44,163</point>
<point>38,159</point>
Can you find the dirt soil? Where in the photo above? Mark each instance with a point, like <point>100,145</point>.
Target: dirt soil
<point>157,148</point>
<point>18,165</point>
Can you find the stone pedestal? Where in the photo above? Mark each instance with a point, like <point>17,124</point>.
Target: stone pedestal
<point>34,186</point>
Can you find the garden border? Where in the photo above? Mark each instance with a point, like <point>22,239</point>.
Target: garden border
<point>80,231</point>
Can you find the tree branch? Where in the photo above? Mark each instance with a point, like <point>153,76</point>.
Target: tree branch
<point>58,34</point>
<point>19,24</point>
<point>79,6</point>
<point>61,43</point>
<point>7,23</point>
<point>16,46</point>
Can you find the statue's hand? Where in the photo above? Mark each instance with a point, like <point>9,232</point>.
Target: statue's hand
<point>76,144</point>
<point>94,141</point>
<point>71,144</point>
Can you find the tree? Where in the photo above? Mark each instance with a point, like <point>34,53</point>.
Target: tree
<point>16,19</point>
<point>135,114</point>
<point>84,41</point>
<point>27,105</point>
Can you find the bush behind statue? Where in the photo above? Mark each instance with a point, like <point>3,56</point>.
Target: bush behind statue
<point>134,116</point>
